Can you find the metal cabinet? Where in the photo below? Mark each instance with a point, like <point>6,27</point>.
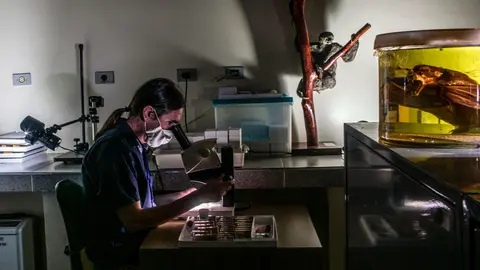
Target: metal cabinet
<point>406,208</point>
<point>16,244</point>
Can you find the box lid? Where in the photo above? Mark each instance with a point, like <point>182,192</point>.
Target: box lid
<point>9,226</point>
<point>251,99</point>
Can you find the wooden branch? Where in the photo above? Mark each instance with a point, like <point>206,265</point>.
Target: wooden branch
<point>309,73</point>
<point>347,46</point>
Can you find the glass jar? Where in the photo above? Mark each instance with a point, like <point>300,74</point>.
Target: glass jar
<point>429,88</point>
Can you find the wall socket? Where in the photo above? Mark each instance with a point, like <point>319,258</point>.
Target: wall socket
<point>234,72</point>
<point>189,74</point>
<point>22,79</point>
<point>104,77</point>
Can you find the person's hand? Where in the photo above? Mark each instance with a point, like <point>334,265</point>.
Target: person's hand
<point>214,190</point>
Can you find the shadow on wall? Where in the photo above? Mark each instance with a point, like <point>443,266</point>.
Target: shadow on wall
<point>66,96</point>
<point>135,68</point>
<point>261,39</point>
<point>273,33</point>
<point>64,103</point>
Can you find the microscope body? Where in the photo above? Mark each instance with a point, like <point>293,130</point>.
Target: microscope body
<point>202,163</point>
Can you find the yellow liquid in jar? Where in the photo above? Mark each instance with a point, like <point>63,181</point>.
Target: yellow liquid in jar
<point>445,113</point>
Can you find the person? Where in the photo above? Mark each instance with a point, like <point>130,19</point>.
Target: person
<point>119,201</point>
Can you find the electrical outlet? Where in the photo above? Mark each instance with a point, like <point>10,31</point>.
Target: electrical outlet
<point>234,72</point>
<point>104,77</point>
<point>189,74</point>
<point>22,79</point>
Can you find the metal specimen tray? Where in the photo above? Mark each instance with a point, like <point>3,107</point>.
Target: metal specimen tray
<point>229,231</point>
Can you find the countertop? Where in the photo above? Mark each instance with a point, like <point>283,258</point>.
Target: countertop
<point>45,164</point>
<point>459,168</point>
<point>259,171</point>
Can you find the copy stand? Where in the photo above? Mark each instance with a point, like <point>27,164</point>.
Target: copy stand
<point>81,148</point>
<point>94,102</point>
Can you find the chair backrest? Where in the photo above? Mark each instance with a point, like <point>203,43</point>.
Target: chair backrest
<point>71,199</point>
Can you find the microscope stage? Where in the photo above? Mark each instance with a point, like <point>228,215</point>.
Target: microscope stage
<point>216,209</point>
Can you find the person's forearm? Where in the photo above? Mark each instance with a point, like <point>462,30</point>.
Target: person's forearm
<point>152,217</point>
<point>168,198</point>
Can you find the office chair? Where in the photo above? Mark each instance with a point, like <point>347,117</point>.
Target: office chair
<point>71,200</point>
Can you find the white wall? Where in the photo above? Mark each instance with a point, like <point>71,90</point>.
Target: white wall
<point>144,39</point>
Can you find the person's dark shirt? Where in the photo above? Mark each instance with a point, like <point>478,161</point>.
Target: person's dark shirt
<point>115,174</point>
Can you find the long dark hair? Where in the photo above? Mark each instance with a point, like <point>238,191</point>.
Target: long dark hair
<point>160,93</point>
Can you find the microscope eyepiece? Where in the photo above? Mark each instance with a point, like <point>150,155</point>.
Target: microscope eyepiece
<point>181,136</point>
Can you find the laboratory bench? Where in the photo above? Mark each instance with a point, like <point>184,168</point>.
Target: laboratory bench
<point>312,185</point>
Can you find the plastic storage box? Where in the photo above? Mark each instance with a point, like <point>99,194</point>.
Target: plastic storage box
<point>266,123</point>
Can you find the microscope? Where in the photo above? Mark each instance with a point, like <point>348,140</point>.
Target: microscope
<point>202,163</point>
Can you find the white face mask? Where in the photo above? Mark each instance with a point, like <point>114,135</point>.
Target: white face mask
<point>158,136</point>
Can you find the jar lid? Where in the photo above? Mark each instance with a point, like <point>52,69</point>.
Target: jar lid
<point>428,39</point>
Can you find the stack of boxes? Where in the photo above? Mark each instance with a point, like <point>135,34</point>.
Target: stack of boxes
<point>14,148</point>
<point>169,155</point>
